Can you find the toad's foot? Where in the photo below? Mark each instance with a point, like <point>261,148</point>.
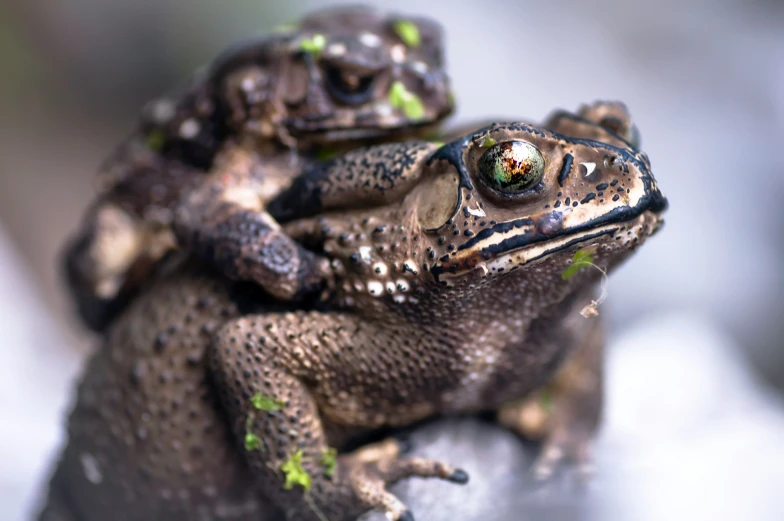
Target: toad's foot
<point>370,469</point>
<point>564,439</point>
<point>565,413</point>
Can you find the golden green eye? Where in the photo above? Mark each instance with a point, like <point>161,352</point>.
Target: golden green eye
<point>512,166</point>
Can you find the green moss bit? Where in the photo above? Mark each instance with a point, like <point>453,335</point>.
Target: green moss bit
<point>439,144</point>
<point>408,32</point>
<point>581,259</point>
<point>252,442</point>
<point>313,45</point>
<point>325,154</point>
<point>487,142</point>
<point>546,400</point>
<point>403,99</point>
<point>329,460</point>
<point>295,474</point>
<point>265,403</point>
<point>155,140</point>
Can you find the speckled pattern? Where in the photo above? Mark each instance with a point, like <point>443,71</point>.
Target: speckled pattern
<point>146,439</point>
<point>280,98</point>
<point>450,296</point>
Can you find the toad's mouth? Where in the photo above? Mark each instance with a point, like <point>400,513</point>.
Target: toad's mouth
<point>338,133</point>
<point>510,245</point>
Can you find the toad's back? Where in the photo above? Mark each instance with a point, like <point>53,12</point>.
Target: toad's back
<point>146,439</point>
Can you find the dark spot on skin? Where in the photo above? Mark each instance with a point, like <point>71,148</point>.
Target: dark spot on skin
<point>568,201</point>
<point>601,187</point>
<point>590,197</point>
<point>566,168</point>
<point>557,204</point>
<point>160,342</point>
<point>616,197</point>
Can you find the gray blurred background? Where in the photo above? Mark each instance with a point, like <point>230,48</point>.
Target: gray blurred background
<point>704,80</point>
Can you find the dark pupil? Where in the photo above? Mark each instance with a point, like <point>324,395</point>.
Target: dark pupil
<point>348,87</point>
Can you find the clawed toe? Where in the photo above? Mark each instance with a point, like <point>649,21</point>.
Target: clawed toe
<point>374,467</point>
<point>555,453</point>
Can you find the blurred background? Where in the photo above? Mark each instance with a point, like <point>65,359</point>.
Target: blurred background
<point>704,80</point>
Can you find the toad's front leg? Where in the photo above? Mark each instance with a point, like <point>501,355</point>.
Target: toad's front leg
<point>224,222</point>
<point>282,376</point>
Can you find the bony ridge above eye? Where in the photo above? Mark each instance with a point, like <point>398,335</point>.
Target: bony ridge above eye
<point>511,166</point>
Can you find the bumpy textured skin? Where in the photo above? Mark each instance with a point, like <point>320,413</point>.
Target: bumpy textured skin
<point>447,297</point>
<point>147,439</point>
<point>280,104</point>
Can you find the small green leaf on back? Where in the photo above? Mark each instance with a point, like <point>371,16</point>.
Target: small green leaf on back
<point>313,45</point>
<point>487,142</point>
<point>155,140</point>
<point>295,473</point>
<point>265,403</point>
<point>252,442</point>
<point>546,400</point>
<point>439,144</point>
<point>329,460</point>
<point>581,259</point>
<point>401,98</point>
<point>325,154</point>
<point>408,32</point>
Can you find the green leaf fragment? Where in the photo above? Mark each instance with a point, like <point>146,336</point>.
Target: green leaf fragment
<point>408,32</point>
<point>155,140</point>
<point>325,154</point>
<point>546,400</point>
<point>439,144</point>
<point>329,460</point>
<point>252,442</point>
<point>295,474</point>
<point>265,403</point>
<point>313,45</point>
<point>487,142</point>
<point>401,98</point>
<point>581,259</point>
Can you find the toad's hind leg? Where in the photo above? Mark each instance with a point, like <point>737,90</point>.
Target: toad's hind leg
<point>281,376</point>
<point>566,412</point>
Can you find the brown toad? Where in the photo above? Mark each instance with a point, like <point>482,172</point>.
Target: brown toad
<point>340,78</point>
<point>460,272</point>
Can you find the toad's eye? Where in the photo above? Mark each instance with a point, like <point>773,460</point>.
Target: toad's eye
<point>512,166</point>
<point>348,86</point>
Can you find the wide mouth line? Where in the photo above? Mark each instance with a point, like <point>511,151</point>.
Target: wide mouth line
<point>560,242</point>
